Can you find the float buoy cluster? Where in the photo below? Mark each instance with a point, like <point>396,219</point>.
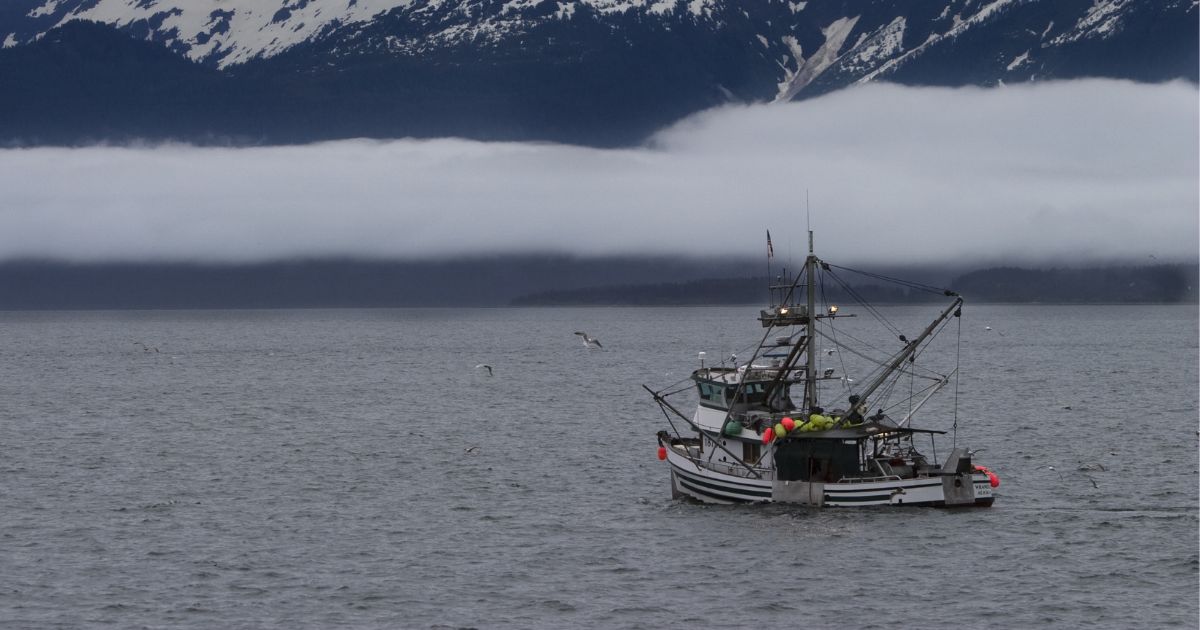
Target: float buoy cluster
<point>816,422</point>
<point>993,478</point>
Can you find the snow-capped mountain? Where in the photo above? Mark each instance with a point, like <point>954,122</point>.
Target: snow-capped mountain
<point>597,71</point>
<point>220,32</point>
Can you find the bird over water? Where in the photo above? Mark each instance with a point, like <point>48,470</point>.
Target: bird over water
<point>589,342</point>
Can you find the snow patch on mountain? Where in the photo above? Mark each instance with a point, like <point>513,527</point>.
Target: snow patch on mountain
<point>797,54</point>
<point>984,13</point>
<point>1102,20</point>
<point>960,26</point>
<point>807,70</point>
<point>1019,61</point>
<point>875,49</point>
<point>662,7</point>
<point>46,9</point>
<point>516,6</point>
<point>700,7</point>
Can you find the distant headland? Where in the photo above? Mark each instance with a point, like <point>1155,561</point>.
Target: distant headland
<point>537,280</point>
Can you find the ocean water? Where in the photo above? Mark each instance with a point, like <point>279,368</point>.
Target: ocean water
<point>351,468</point>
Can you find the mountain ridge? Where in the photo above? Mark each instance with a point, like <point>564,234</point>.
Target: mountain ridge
<point>596,72</point>
<point>539,280</point>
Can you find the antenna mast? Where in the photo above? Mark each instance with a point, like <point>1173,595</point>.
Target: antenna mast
<point>770,255</point>
<point>810,374</point>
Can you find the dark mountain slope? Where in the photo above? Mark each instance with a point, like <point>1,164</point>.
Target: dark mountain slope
<point>86,82</point>
<point>579,71</point>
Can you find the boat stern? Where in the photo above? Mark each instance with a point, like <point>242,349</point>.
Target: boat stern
<point>964,484</point>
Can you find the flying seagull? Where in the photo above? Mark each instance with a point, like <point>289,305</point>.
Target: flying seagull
<point>145,348</point>
<point>1051,468</point>
<point>588,342</point>
<point>484,365</point>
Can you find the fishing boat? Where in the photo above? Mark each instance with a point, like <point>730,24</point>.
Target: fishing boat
<point>792,424</point>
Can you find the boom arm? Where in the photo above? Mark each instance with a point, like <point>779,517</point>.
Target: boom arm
<point>910,348</point>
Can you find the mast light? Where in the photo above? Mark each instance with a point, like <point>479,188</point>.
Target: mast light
<point>833,310</point>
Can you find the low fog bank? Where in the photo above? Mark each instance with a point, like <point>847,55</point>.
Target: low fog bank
<point>1070,172</point>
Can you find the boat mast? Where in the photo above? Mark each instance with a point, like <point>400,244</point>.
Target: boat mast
<point>810,374</point>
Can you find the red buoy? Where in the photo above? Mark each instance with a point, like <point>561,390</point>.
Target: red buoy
<point>993,479</point>
<point>788,424</point>
<point>662,452</point>
<point>768,435</point>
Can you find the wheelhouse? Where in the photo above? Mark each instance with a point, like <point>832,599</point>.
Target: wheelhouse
<point>722,395</point>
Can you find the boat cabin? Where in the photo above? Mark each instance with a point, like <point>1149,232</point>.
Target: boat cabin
<point>719,395</point>
<point>871,450</point>
<point>719,389</point>
<point>816,459</point>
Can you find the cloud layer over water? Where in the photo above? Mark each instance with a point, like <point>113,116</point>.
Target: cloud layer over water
<point>1085,170</point>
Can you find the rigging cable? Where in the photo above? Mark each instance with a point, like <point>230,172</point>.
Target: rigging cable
<point>668,417</point>
<point>957,355</point>
<point>928,288</point>
<point>833,331</point>
<point>832,336</point>
<point>912,372</point>
<point>689,377</point>
<point>879,363</point>
<point>853,293</point>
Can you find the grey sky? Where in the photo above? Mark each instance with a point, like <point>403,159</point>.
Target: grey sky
<point>1081,170</point>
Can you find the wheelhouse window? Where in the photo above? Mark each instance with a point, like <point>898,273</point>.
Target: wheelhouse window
<point>712,393</point>
<point>754,392</point>
<point>722,394</point>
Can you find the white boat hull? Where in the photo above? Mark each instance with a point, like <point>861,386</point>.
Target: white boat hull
<point>691,479</point>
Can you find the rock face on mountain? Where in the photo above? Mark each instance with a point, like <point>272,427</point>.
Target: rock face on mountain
<point>600,72</point>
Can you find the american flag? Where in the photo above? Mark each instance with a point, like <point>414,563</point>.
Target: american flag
<point>770,248</point>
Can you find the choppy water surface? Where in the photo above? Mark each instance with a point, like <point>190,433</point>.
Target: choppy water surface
<point>309,469</point>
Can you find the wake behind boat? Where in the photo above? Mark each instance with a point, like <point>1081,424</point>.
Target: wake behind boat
<point>749,441</point>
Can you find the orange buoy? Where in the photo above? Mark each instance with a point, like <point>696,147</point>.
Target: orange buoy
<point>993,478</point>
<point>768,435</point>
<point>662,452</point>
<point>788,423</point>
